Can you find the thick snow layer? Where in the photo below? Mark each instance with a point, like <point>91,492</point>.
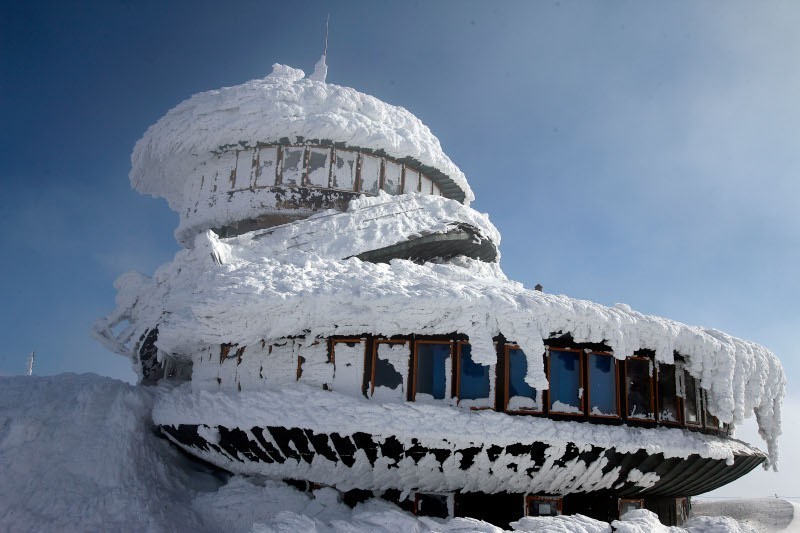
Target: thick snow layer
<point>285,104</point>
<point>276,284</point>
<point>77,454</point>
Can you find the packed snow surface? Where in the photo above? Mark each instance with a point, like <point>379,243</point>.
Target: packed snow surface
<point>267,286</point>
<point>285,104</point>
<point>77,454</point>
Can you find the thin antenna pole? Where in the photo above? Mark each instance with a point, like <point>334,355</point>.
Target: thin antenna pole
<point>327,22</point>
<point>31,357</point>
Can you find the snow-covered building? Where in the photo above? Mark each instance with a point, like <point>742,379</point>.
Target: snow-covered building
<point>339,317</point>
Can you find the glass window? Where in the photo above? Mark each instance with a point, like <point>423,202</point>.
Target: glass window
<point>712,422</point>
<point>392,177</point>
<point>348,366</point>
<point>266,160</point>
<point>566,391</point>
<point>626,505</point>
<point>245,167</point>
<point>434,505</point>
<point>432,369</point>
<point>425,185</point>
<point>435,190</point>
<point>602,385</point>
<point>667,394</point>
<point>370,174</point>
<point>293,166</point>
<point>390,366</point>
<point>344,170</point>
<point>411,180</point>
<point>521,396</point>
<point>639,388</point>
<point>691,405</point>
<point>318,166</point>
<point>474,380</point>
<point>542,506</point>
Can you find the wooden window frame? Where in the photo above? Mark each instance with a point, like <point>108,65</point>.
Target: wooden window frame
<point>307,178</point>
<point>581,385</point>
<point>457,380</point>
<point>348,340</point>
<point>707,415</point>
<point>507,369</point>
<point>559,501</point>
<point>678,399</point>
<point>303,165</point>
<point>375,344</point>
<point>697,401</point>
<point>652,390</point>
<point>448,394</point>
<point>588,389</point>
<point>620,501</point>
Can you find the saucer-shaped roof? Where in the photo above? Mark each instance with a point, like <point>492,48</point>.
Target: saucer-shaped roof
<point>283,107</point>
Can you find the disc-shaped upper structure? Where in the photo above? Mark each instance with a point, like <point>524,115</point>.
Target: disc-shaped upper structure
<point>278,149</point>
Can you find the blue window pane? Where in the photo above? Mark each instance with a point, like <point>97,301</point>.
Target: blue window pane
<point>474,377</point>
<point>565,382</point>
<point>602,385</point>
<point>520,394</point>
<point>431,369</point>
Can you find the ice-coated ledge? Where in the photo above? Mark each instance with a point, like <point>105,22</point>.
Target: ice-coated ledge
<point>307,407</point>
<point>284,105</point>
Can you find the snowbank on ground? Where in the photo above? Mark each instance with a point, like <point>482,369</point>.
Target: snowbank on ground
<point>282,105</point>
<point>77,454</point>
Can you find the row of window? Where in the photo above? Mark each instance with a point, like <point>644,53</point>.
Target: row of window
<point>583,383</point>
<point>441,505</point>
<point>326,168</point>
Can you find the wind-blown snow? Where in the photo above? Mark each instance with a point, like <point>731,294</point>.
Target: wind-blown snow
<point>277,283</point>
<point>285,104</point>
<point>77,454</point>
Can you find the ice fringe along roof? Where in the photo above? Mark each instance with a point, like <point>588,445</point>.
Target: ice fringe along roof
<point>265,286</point>
<point>285,104</point>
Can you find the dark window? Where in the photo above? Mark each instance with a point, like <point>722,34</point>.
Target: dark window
<point>639,388</point>
<point>389,367</point>
<point>433,365</point>
<point>521,396</point>
<point>603,391</point>
<point>691,403</point>
<point>542,506</point>
<point>667,395</point>
<point>433,505</point>
<point>566,389</point>
<point>473,379</point>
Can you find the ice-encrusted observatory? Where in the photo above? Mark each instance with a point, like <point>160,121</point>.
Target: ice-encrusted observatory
<point>338,316</point>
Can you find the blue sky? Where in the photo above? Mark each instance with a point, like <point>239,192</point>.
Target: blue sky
<point>637,152</point>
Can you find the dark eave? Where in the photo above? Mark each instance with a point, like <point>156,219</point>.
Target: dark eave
<point>463,239</point>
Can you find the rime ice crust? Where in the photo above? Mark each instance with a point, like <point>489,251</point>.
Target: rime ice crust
<point>304,278</point>
<point>285,104</point>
